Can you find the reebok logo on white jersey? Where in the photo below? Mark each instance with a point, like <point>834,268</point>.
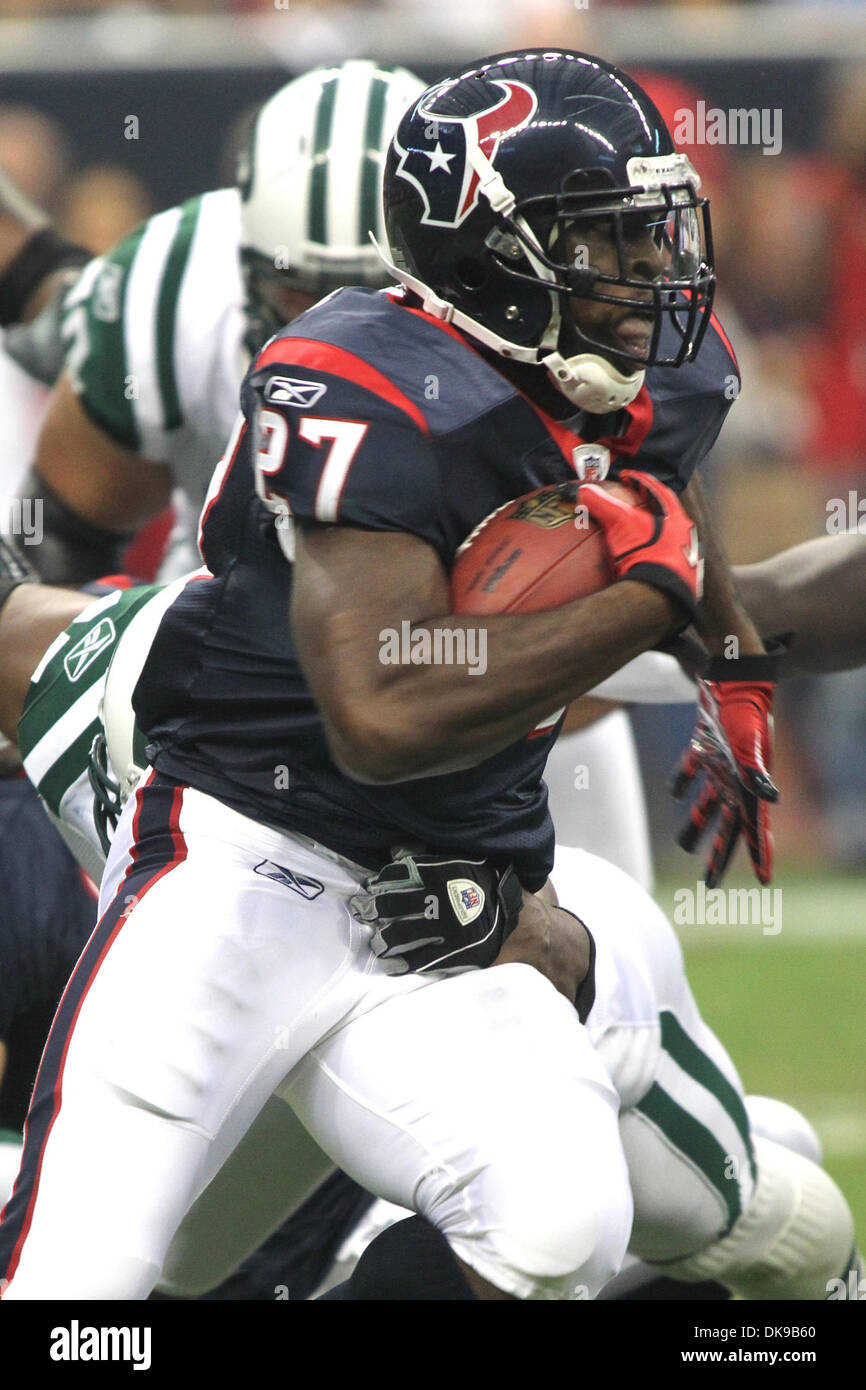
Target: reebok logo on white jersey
<point>288,390</point>
<point>77,1343</point>
<point>85,651</point>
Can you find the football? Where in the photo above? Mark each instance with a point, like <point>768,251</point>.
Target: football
<point>534,553</point>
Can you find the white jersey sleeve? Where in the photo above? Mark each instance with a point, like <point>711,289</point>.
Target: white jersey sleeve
<point>653,678</point>
<point>62,717</point>
<point>153,332</point>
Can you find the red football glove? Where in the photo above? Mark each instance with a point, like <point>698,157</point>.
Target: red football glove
<point>732,748</point>
<point>657,545</point>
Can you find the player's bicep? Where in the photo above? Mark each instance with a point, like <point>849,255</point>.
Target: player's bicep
<point>355,596</point>
<point>107,484</point>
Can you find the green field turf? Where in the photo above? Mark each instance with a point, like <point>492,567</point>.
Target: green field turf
<point>791,1009</point>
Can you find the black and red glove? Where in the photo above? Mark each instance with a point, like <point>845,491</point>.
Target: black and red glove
<point>656,543</point>
<point>732,749</point>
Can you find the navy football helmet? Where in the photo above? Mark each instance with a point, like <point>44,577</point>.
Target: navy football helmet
<point>502,182</point>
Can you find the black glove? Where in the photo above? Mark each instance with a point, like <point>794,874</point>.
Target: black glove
<point>15,568</point>
<point>434,912</point>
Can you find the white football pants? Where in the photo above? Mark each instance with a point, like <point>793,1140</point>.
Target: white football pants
<point>225,968</point>
<point>596,795</point>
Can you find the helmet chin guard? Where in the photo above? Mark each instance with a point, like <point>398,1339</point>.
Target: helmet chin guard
<point>591,382</point>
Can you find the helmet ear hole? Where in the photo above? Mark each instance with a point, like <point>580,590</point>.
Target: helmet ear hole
<point>471,274</point>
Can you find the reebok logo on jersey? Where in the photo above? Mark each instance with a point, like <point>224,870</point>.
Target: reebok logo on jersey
<point>302,884</point>
<point>466,898</point>
<point>85,651</point>
<point>289,390</point>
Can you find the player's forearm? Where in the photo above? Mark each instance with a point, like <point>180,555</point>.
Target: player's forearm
<point>30,619</point>
<point>19,219</point>
<point>723,613</point>
<point>551,940</point>
<point>417,720</point>
<point>811,592</point>
<point>92,493</point>
<point>32,255</point>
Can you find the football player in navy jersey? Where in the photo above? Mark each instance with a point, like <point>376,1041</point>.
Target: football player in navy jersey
<point>289,759</point>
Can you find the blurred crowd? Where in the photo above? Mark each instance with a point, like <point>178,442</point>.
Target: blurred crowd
<point>790,234</point>
<point>30,8</point>
<point>790,250</point>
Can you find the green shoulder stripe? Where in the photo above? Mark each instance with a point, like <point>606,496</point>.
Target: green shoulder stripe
<point>166,313</point>
<point>69,766</point>
<point>94,339</point>
<point>61,712</point>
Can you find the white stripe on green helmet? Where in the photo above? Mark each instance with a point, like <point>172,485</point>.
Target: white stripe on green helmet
<point>311,177</point>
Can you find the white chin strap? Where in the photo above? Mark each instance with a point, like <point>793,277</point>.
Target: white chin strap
<point>591,383</point>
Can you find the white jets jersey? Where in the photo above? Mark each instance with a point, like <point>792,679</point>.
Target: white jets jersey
<point>62,716</point>
<point>153,332</point>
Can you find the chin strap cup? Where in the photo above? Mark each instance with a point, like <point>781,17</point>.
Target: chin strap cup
<point>591,383</point>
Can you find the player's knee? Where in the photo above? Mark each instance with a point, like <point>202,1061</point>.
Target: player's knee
<point>776,1120</point>
<point>679,1209</point>
<point>794,1239</point>
<point>549,1239</point>
<point>577,1246</point>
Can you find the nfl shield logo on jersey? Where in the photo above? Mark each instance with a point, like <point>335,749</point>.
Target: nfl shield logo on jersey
<point>467,899</point>
<point>591,462</point>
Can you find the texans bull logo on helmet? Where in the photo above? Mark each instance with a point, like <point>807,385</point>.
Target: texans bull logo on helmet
<point>440,170</point>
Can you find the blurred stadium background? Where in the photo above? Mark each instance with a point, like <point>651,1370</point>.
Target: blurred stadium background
<point>790,232</point>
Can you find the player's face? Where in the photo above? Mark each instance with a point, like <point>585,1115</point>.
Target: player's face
<point>592,244</point>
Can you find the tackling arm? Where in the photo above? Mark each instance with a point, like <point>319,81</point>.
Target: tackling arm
<point>95,493</point>
<point>35,262</point>
<point>30,619</point>
<point>723,613</point>
<point>811,591</point>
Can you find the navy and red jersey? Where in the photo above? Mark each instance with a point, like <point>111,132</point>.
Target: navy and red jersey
<point>368,412</point>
